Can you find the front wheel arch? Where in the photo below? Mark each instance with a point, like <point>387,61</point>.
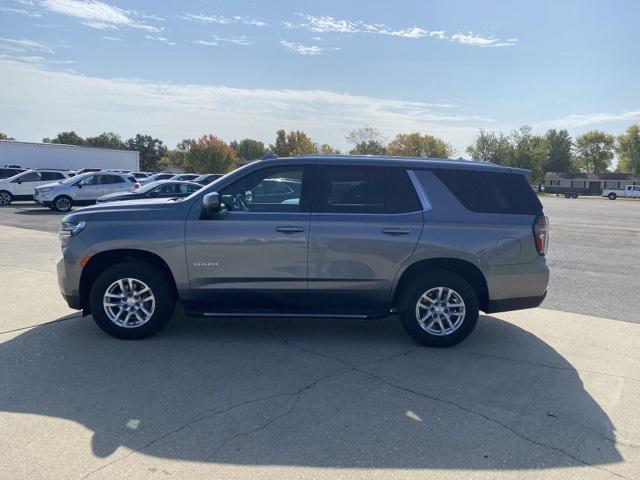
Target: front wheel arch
<point>6,194</point>
<point>103,260</point>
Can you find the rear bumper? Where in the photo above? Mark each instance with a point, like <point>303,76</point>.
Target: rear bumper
<point>73,301</point>
<point>509,304</point>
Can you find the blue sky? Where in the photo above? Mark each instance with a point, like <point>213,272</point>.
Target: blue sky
<point>244,69</point>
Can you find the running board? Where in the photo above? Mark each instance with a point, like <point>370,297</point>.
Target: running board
<point>287,314</point>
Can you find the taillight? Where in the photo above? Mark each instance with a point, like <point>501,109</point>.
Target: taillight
<point>541,234</point>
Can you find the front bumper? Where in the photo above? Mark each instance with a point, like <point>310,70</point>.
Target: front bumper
<point>70,271</point>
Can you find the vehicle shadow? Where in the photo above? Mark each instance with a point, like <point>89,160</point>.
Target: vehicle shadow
<point>319,393</point>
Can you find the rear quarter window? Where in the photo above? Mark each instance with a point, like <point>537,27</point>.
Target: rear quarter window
<point>491,192</point>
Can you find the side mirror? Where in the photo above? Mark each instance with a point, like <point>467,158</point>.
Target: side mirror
<point>211,204</point>
<point>79,185</point>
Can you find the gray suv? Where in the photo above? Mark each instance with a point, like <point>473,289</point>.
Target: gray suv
<point>434,241</point>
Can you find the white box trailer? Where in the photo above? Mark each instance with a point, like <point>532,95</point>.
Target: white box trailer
<point>67,157</point>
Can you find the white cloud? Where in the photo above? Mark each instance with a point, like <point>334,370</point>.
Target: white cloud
<point>304,49</point>
<point>159,39</point>
<point>112,39</point>
<point>23,45</point>
<point>479,41</point>
<point>206,43</point>
<point>176,111</point>
<point>327,24</point>
<point>582,120</point>
<point>97,14</point>
<point>21,11</point>
<point>221,19</point>
<point>241,40</point>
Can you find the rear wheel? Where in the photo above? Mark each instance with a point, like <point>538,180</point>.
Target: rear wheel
<point>439,309</point>
<point>612,196</point>
<point>574,195</point>
<point>62,203</point>
<point>132,300</point>
<point>5,198</point>
<point>567,195</point>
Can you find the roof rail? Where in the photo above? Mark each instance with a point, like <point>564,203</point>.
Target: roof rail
<point>270,156</point>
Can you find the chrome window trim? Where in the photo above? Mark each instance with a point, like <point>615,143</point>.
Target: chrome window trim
<point>422,195</point>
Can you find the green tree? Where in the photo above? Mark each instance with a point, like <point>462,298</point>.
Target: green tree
<point>366,141</point>
<point>151,150</point>
<point>628,150</point>
<point>249,149</point>
<point>559,145</point>
<point>106,140</point>
<point>207,154</point>
<point>66,138</point>
<point>529,152</point>
<point>328,149</point>
<point>416,145</point>
<point>594,151</point>
<point>293,144</point>
<point>4,136</point>
<point>491,147</point>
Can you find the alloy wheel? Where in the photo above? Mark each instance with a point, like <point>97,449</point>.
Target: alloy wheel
<point>440,311</point>
<point>129,303</point>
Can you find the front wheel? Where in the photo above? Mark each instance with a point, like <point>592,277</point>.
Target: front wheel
<point>132,300</point>
<point>62,203</point>
<point>439,309</point>
<point>612,196</point>
<point>5,198</point>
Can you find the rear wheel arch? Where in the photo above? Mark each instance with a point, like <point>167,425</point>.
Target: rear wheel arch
<point>103,260</point>
<point>465,269</point>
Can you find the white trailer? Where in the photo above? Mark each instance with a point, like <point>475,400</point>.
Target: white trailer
<point>66,157</point>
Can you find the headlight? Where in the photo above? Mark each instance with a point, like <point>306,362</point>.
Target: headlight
<point>45,189</point>
<point>69,229</point>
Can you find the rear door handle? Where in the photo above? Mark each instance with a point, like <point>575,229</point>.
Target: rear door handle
<point>288,229</point>
<point>396,231</point>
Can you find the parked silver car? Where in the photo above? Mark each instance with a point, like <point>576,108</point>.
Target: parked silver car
<point>83,189</point>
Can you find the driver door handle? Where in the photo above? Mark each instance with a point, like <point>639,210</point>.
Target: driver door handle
<point>396,231</point>
<point>289,229</point>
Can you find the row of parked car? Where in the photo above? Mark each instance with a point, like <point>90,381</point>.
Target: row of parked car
<point>62,190</point>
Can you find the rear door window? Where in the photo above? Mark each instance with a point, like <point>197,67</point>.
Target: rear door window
<point>51,176</point>
<point>350,189</point>
<point>491,192</point>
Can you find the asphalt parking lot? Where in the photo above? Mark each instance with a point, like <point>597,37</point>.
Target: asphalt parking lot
<point>546,393</point>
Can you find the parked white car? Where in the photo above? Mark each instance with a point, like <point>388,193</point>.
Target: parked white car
<point>83,189</point>
<point>23,185</point>
<point>632,191</point>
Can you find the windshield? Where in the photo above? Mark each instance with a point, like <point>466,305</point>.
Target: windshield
<point>19,174</point>
<point>70,180</point>
<point>149,186</point>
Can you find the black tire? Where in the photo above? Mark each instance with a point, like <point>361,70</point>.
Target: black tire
<point>62,203</point>
<point>574,195</point>
<point>154,278</point>
<point>5,198</point>
<point>612,196</point>
<point>421,284</point>
<point>567,195</point>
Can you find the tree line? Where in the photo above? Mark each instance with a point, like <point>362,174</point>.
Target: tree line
<point>554,151</point>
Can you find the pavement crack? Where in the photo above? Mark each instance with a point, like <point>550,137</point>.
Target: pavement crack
<point>27,269</point>
<point>554,367</point>
<point>491,420</point>
<point>59,320</point>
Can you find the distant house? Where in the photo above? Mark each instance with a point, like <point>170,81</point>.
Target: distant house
<point>587,183</point>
